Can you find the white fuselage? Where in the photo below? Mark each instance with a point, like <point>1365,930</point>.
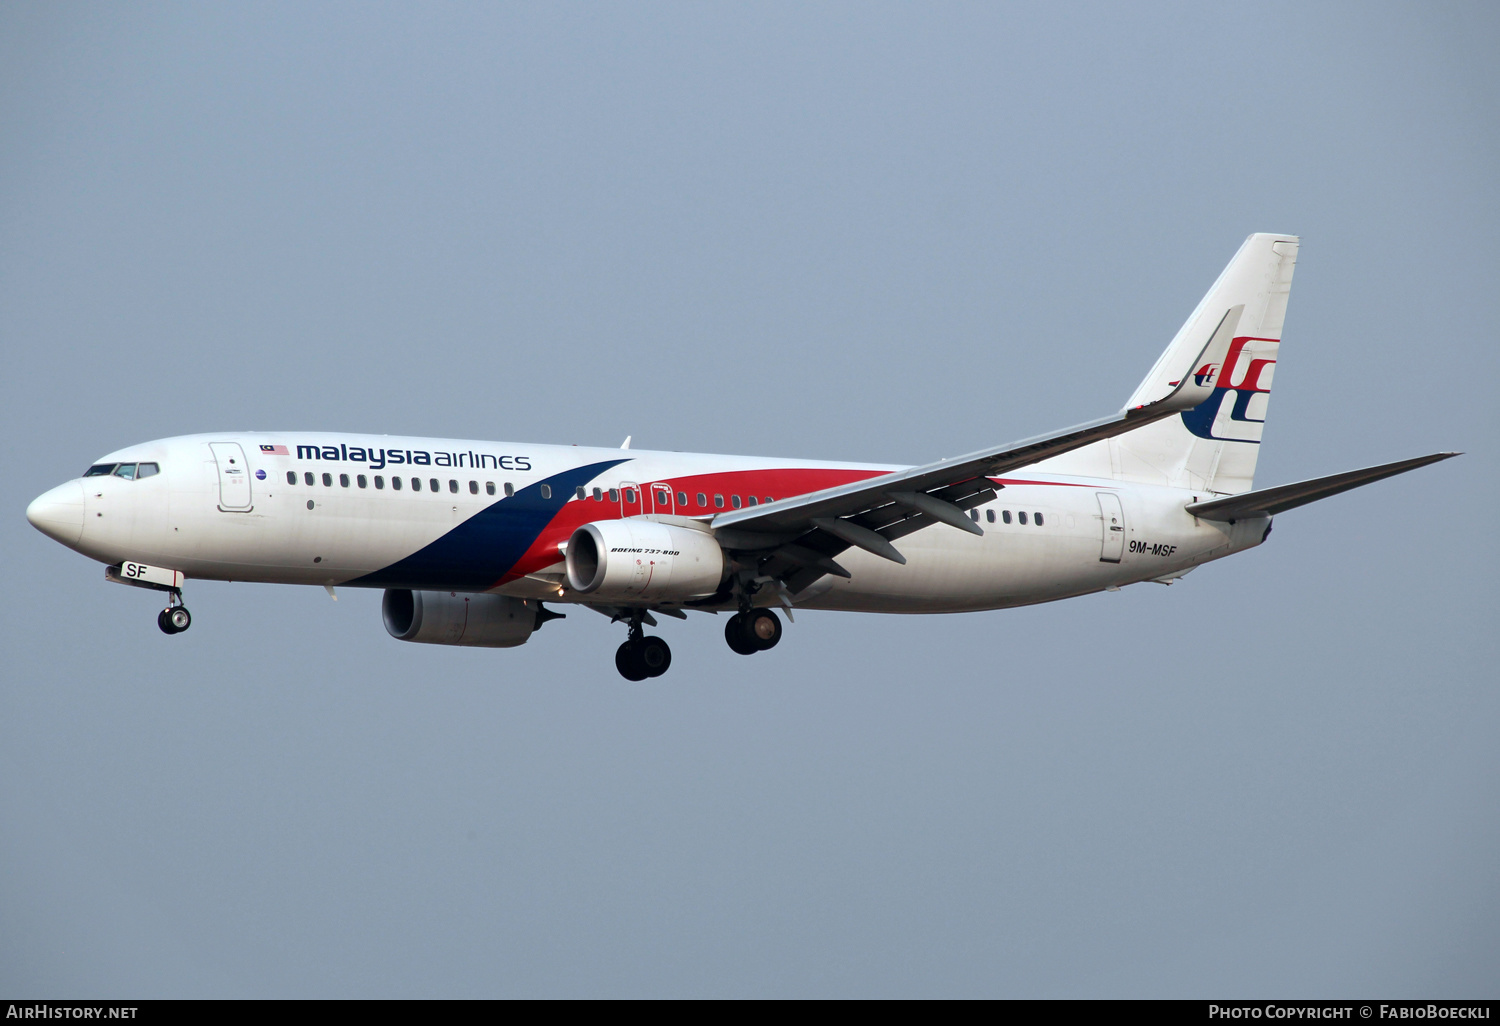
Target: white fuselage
<point>239,506</point>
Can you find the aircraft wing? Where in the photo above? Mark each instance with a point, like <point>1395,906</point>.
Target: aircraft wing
<point>1270,501</point>
<point>793,541</point>
<point>796,539</point>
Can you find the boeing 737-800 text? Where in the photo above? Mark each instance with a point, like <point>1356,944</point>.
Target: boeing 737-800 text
<point>469,539</point>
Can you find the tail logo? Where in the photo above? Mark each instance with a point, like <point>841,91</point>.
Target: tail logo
<point>1236,410</point>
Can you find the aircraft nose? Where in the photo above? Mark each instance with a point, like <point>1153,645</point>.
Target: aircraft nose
<point>59,513</point>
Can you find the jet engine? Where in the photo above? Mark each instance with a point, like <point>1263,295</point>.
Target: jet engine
<point>450,618</point>
<point>633,560</point>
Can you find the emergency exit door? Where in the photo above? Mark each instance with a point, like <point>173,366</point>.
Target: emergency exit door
<point>630,499</point>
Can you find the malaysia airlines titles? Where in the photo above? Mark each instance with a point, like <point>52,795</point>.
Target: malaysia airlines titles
<point>378,459</point>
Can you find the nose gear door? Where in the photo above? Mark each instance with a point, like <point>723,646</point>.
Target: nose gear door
<point>234,477</point>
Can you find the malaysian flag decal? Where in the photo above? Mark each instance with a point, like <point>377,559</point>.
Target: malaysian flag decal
<point>274,450</point>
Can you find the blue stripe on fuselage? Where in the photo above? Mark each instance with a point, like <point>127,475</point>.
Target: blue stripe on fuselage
<point>478,552</point>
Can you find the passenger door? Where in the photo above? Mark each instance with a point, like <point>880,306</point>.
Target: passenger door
<point>234,477</point>
<point>1112,517</point>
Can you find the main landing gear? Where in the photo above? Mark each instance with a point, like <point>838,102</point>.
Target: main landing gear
<point>753,631</point>
<point>642,656</point>
<point>175,618</point>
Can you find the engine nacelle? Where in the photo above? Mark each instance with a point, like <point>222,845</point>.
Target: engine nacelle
<point>448,618</point>
<point>634,560</point>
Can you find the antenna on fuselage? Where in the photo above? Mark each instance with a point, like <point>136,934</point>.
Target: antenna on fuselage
<point>625,444</point>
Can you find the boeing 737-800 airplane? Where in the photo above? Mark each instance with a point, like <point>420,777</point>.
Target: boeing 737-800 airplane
<point>470,539</point>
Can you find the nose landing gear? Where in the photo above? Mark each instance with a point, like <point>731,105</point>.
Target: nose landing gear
<point>642,656</point>
<point>175,618</point>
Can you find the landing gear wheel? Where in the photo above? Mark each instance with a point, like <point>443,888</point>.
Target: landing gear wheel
<point>752,632</point>
<point>764,629</point>
<point>628,662</point>
<point>653,655</point>
<point>738,635</point>
<point>174,619</point>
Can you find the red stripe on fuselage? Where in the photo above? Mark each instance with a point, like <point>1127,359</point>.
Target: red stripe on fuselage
<point>1008,481</point>
<point>781,483</point>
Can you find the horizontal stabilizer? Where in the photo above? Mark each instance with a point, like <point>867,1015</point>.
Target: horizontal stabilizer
<point>1270,501</point>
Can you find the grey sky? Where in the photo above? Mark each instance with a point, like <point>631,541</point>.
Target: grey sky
<point>860,231</point>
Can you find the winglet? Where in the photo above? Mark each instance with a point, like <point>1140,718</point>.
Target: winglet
<point>1191,380</point>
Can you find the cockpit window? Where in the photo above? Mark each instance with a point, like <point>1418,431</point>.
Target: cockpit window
<point>146,470</point>
<point>125,470</point>
<point>101,470</point>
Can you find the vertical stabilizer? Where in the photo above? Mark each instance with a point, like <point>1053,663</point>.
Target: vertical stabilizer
<point>1211,447</point>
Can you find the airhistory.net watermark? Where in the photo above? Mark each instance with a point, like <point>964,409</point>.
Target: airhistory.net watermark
<point>46,1010</point>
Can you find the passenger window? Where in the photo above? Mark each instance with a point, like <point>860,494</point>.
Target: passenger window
<point>146,470</point>
<point>416,484</point>
<point>344,480</point>
<point>630,495</point>
<point>433,484</point>
<point>769,499</point>
<point>100,470</point>
<point>1021,516</point>
<point>1038,517</point>
<point>379,483</point>
<point>974,515</point>
<point>735,501</point>
<point>291,477</point>
<point>989,515</point>
<point>1005,515</point>
<point>307,476</point>
<point>362,481</point>
<point>682,498</point>
<point>395,484</point>
<point>751,500</point>
<point>582,492</point>
<point>125,470</point>
<point>510,489</point>
<point>489,488</point>
<point>719,501</point>
<point>664,498</point>
<point>702,500</point>
<point>327,480</point>
<point>473,487</point>
<point>546,491</point>
<point>452,486</point>
<point>598,495</point>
